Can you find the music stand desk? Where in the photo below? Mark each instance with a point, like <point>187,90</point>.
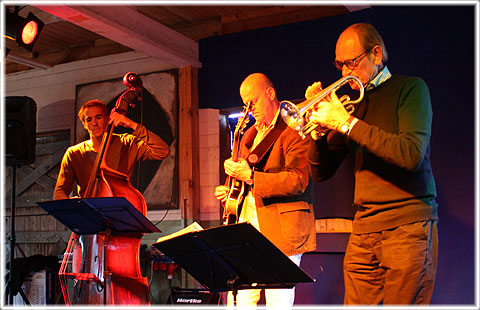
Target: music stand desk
<point>88,216</point>
<point>231,258</point>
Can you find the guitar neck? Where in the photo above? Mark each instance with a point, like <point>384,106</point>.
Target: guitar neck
<point>236,143</point>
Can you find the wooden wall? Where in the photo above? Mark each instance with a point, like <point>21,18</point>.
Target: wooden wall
<point>54,92</point>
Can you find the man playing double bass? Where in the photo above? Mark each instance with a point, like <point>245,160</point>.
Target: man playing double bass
<point>124,151</point>
<point>122,251</point>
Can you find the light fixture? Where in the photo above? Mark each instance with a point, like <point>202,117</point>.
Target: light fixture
<point>23,30</point>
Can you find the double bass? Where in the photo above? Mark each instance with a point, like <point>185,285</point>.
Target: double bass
<point>106,266</point>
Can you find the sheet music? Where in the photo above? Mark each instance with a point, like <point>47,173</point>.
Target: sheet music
<point>190,228</point>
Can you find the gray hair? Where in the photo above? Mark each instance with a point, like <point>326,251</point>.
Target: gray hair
<point>369,37</point>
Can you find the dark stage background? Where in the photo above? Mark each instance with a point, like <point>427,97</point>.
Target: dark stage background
<point>433,42</point>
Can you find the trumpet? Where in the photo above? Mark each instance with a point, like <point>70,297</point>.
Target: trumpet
<point>296,116</point>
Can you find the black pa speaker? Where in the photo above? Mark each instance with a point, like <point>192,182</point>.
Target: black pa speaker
<point>20,134</point>
<point>194,297</point>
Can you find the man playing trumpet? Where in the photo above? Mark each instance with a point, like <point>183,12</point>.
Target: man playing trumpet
<point>391,255</point>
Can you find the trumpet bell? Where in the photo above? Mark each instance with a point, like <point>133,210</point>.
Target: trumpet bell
<point>291,115</point>
<point>296,116</point>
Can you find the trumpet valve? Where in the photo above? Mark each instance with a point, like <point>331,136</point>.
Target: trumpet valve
<point>344,98</point>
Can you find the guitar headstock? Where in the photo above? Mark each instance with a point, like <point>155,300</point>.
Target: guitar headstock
<point>244,119</point>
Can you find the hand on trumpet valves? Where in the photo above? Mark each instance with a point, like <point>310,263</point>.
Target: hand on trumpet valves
<point>240,170</point>
<point>331,114</point>
<point>313,89</point>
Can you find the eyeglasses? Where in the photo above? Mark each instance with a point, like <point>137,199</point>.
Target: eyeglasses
<point>350,63</point>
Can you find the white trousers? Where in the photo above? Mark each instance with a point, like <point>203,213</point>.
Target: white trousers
<point>276,298</point>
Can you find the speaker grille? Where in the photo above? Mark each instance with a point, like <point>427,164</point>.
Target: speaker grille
<point>20,133</point>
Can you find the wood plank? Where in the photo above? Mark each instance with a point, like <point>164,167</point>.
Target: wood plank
<point>188,148</point>
<point>188,151</point>
<point>43,16</point>
<point>51,148</point>
<point>20,223</point>
<point>193,15</point>
<point>234,25</point>
<point>43,223</point>
<point>40,237</point>
<point>36,174</point>
<point>33,82</point>
<point>260,11</point>
<point>60,114</point>
<point>161,14</point>
<point>44,181</point>
<point>201,30</point>
<point>127,26</point>
<point>75,53</point>
<point>28,200</point>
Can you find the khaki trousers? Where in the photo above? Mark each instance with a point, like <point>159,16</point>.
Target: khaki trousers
<point>392,267</point>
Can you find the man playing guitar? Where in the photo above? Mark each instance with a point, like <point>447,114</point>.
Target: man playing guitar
<point>279,202</point>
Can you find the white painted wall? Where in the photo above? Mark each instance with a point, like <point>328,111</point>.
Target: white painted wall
<point>54,89</point>
<point>209,145</point>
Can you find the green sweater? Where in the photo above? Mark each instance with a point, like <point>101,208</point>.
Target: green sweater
<point>394,184</point>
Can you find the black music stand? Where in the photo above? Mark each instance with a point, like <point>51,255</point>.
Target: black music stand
<point>89,216</point>
<point>104,216</point>
<point>231,258</point>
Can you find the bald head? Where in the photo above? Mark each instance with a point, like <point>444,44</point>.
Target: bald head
<point>259,90</point>
<point>257,82</point>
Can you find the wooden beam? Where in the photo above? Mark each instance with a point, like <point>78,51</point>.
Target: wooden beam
<point>260,12</point>
<point>353,8</point>
<point>127,26</point>
<point>101,47</point>
<point>27,62</point>
<point>188,151</point>
<point>201,30</point>
<point>260,17</point>
<point>188,148</point>
<point>276,16</point>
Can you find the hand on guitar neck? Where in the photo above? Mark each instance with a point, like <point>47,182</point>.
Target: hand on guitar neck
<point>239,170</point>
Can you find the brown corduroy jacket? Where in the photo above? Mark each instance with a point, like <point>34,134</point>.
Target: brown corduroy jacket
<point>283,192</point>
